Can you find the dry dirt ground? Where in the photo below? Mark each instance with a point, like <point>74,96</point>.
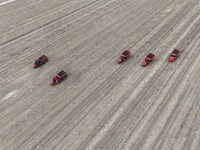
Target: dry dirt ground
<point>101,105</point>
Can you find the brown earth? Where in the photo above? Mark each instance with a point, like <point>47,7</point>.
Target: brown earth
<point>101,105</point>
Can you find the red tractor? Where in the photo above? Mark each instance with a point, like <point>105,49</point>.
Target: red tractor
<point>149,58</point>
<point>174,54</point>
<point>40,61</point>
<point>124,56</point>
<point>60,76</point>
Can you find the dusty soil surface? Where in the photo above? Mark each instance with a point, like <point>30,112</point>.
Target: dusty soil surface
<point>102,105</point>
